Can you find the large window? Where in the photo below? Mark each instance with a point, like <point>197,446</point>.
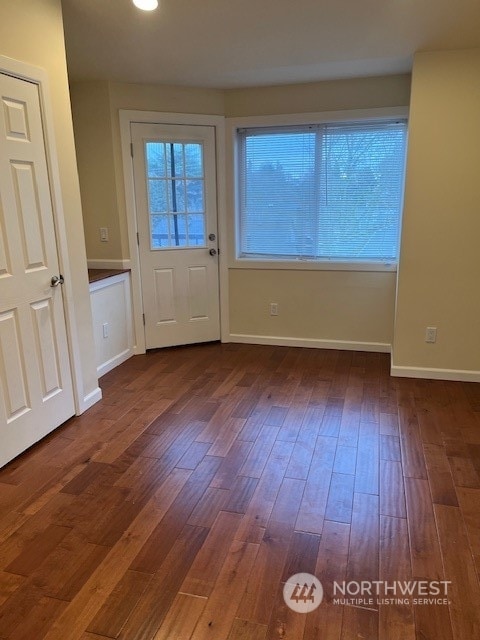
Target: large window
<point>328,192</point>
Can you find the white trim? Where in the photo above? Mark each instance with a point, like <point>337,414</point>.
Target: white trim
<point>457,375</point>
<point>114,362</point>
<point>89,400</point>
<point>100,263</point>
<point>127,117</point>
<point>127,162</point>
<point>311,343</point>
<point>39,77</point>
<point>164,117</point>
<point>222,228</point>
<point>311,265</point>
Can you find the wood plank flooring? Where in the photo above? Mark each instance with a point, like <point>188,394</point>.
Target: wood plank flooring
<point>178,506</point>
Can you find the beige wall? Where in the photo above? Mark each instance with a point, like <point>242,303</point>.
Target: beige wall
<point>439,274</point>
<point>332,95</point>
<point>439,268</point>
<point>94,147</point>
<point>31,31</point>
<point>323,305</point>
<point>96,108</point>
<point>351,306</point>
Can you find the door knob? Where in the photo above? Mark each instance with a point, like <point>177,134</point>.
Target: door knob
<point>213,252</point>
<point>56,280</point>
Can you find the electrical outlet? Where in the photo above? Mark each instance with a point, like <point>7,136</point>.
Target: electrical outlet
<point>103,234</point>
<point>105,329</point>
<point>431,334</point>
<point>274,308</point>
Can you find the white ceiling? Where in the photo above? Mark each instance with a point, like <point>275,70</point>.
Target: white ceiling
<point>222,43</point>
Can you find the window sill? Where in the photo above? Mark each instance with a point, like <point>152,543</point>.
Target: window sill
<point>312,265</point>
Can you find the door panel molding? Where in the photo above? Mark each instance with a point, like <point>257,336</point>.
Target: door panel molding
<point>164,292</point>
<point>127,118</point>
<point>12,368</point>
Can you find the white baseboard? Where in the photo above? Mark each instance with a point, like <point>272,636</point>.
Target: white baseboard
<point>457,375</point>
<point>108,264</point>
<point>89,400</point>
<point>105,367</point>
<point>311,343</point>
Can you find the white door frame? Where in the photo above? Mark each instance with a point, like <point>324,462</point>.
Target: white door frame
<point>153,117</point>
<point>38,76</point>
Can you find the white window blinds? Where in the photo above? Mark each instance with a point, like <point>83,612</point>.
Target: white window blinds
<point>322,192</point>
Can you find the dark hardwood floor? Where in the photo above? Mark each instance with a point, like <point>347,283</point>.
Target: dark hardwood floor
<point>178,506</point>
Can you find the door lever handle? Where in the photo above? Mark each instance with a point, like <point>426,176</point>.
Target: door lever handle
<point>56,280</point>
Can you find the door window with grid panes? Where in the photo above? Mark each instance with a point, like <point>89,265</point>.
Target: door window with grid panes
<point>176,194</point>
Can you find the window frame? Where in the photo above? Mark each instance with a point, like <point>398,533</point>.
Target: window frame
<point>351,116</point>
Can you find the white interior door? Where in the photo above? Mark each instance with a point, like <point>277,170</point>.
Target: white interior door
<point>176,204</point>
<point>35,379</point>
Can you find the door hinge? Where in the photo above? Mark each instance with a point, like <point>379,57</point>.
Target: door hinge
<point>143,316</point>
<point>138,239</point>
<point>131,149</point>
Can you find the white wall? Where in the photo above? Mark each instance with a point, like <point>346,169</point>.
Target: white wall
<point>112,321</point>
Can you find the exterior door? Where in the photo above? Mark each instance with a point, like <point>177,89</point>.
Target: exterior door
<point>176,204</point>
<point>35,379</point>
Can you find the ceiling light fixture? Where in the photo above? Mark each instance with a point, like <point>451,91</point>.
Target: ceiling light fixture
<point>146,5</point>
